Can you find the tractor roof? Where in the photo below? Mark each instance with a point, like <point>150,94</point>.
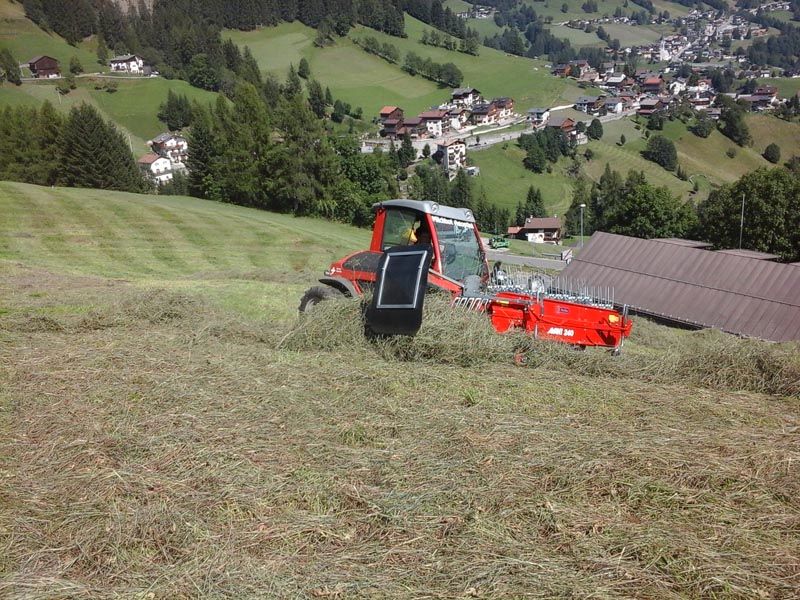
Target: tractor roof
<point>431,208</point>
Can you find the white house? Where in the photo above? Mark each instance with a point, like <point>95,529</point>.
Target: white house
<point>158,168</point>
<point>538,116</point>
<point>436,122</point>
<point>614,105</point>
<point>453,155</point>
<point>171,146</point>
<point>129,63</point>
<point>465,96</point>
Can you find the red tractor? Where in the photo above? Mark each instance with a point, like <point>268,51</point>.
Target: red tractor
<point>458,267</point>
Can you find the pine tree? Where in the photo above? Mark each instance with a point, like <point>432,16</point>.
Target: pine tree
<point>595,129</point>
<point>204,156</point>
<point>293,85</point>
<point>407,154</point>
<point>534,203</point>
<point>316,98</point>
<point>461,190</point>
<point>328,96</point>
<point>75,66</point>
<point>303,70</point>
<point>102,50</point>
<point>95,155</point>
<point>9,67</point>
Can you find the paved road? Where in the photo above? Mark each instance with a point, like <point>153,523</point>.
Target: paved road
<point>529,261</point>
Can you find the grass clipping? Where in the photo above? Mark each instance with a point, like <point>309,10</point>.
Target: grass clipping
<point>654,353</point>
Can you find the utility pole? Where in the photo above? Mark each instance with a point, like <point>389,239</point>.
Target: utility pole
<point>741,223</point>
<point>582,207</point>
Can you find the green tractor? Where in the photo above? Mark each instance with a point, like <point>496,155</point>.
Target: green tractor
<point>499,241</point>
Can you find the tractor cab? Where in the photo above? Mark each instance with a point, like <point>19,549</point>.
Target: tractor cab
<point>457,250</point>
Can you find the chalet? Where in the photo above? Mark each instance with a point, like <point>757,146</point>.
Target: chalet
<point>44,67</point>
<point>171,146</point>
<point>484,113</point>
<point>562,70</point>
<point>505,108</point>
<point>538,116</point>
<point>614,105</point>
<point>453,156</point>
<point>414,127</point>
<point>591,105</point>
<point>702,101</point>
<point>565,124</point>
<point>607,68</point>
<point>465,96</point>
<point>579,68</point>
<point>766,90</point>
<point>649,106</point>
<point>677,85</point>
<point>157,168</point>
<point>545,230</point>
<point>128,63</point>
<point>458,117</point>
<point>760,101</point>
<point>390,112</point>
<point>653,85</point>
<point>436,121</point>
<point>616,80</point>
<point>390,127</point>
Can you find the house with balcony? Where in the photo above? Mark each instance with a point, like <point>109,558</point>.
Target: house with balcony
<point>453,156</point>
<point>44,67</point>
<point>537,117</point>
<point>591,105</point>
<point>436,122</point>
<point>505,108</point>
<point>173,147</point>
<point>547,230</point>
<point>127,63</point>
<point>484,113</point>
<point>465,97</point>
<point>157,168</point>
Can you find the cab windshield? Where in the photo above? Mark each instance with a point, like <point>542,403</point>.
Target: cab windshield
<point>461,252</point>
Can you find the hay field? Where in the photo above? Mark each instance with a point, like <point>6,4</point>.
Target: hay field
<point>160,440</point>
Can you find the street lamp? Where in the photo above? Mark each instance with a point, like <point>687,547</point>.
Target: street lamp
<point>582,207</point>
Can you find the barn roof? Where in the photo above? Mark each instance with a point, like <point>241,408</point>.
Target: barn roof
<point>738,294</point>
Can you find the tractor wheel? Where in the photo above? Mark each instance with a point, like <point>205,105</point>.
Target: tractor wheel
<point>317,294</point>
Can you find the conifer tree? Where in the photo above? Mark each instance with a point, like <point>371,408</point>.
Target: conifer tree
<point>204,150</point>
<point>9,67</point>
<point>94,154</point>
<point>303,70</point>
<point>293,85</point>
<point>316,98</point>
<point>534,203</point>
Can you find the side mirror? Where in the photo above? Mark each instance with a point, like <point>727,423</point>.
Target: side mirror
<point>402,278</point>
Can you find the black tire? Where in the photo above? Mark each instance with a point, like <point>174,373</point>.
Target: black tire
<point>317,294</point>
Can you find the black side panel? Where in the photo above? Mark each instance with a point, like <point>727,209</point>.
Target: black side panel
<point>396,307</point>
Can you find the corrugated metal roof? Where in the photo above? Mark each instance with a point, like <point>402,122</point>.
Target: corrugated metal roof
<point>687,243</point>
<point>734,293</point>
<point>750,254</point>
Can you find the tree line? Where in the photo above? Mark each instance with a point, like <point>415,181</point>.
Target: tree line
<point>632,206</point>
<point>43,147</point>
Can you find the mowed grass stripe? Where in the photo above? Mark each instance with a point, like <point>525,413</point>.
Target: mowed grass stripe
<point>136,236</point>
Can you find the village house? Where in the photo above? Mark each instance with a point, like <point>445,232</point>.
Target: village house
<point>458,117</point>
<point>128,63</point>
<point>591,105</point>
<point>465,97</point>
<point>44,67</point>
<point>614,105</point>
<point>505,108</point>
<point>562,70</point>
<point>484,113</point>
<point>414,127</point>
<point>545,230</point>
<point>579,68</point>
<point>653,85</point>
<point>616,80</point>
<point>391,127</point>
<point>453,156</point>
<point>173,147</point>
<point>436,121</point>
<point>390,112</point>
<point>157,168</point>
<point>538,116</point>
<point>565,124</point>
<point>650,106</point>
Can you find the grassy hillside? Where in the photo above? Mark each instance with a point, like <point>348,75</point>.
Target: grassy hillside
<point>26,40</point>
<point>506,181</point>
<point>171,428</point>
<point>175,242</point>
<point>133,107</point>
<point>367,81</point>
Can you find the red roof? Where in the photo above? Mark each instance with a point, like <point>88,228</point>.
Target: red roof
<point>542,223</point>
<point>387,110</point>
<point>432,115</point>
<point>148,159</point>
<point>653,81</point>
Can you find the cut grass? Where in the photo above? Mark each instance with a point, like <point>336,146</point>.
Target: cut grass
<point>168,442</point>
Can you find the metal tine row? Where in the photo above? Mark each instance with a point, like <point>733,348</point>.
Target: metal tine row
<point>476,304</point>
<point>580,291</point>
